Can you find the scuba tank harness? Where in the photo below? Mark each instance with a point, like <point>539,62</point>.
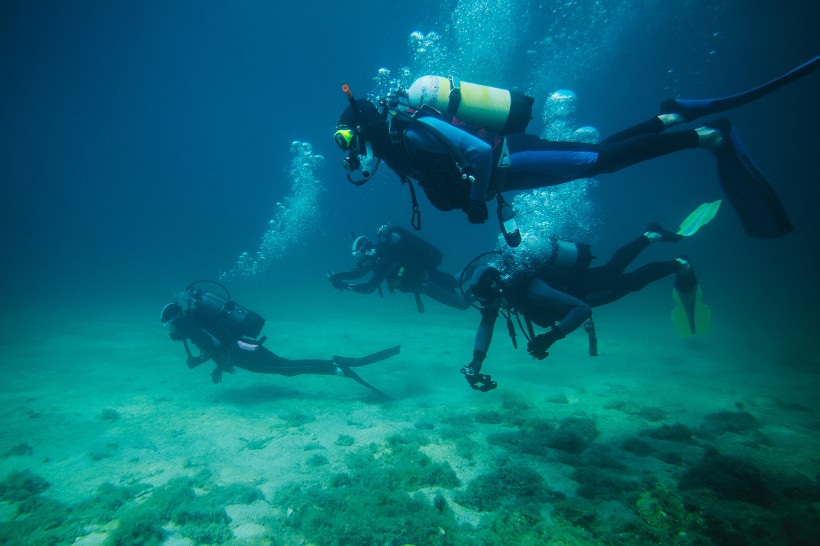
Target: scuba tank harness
<point>240,321</point>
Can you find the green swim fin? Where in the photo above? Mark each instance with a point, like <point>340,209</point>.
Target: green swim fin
<point>690,316</point>
<point>699,218</point>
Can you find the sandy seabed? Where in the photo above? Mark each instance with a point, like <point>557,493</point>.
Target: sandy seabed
<point>108,438</point>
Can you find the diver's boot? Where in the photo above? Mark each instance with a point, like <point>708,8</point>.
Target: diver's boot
<point>671,119</point>
<point>652,126</point>
<point>710,138</point>
<point>655,233</point>
<point>683,111</point>
<point>690,316</point>
<point>685,268</point>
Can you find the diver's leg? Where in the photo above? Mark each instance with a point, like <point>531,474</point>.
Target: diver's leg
<point>615,286</point>
<point>649,273</point>
<point>262,360</point>
<point>536,163</point>
<point>751,195</point>
<point>366,360</point>
<point>651,126</point>
<point>443,288</point>
<point>624,256</point>
<point>614,156</point>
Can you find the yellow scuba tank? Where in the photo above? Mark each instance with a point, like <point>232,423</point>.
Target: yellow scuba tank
<point>494,109</point>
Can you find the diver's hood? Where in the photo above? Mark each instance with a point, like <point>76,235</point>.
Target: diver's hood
<point>170,313</point>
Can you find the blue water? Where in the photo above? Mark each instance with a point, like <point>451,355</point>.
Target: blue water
<point>144,143</point>
<point>147,144</point>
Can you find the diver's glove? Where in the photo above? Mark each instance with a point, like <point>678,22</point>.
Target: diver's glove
<point>540,343</point>
<point>478,381</point>
<point>477,211</point>
<point>216,374</point>
<point>340,284</point>
<point>337,282</point>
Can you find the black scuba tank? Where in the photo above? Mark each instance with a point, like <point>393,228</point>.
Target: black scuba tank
<point>240,321</point>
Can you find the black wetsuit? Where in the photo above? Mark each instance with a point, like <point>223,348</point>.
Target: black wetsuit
<point>425,150</point>
<point>216,343</point>
<point>407,263</point>
<point>564,302</point>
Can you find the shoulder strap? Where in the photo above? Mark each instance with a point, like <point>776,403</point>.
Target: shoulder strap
<point>415,217</point>
<point>463,165</point>
<point>589,326</point>
<point>419,303</point>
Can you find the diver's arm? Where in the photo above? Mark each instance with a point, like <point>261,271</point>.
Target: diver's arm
<point>211,349</point>
<point>476,152</point>
<point>371,284</point>
<point>542,298</point>
<point>191,327</point>
<point>484,333</point>
<point>194,361</point>
<point>348,275</point>
<point>483,337</point>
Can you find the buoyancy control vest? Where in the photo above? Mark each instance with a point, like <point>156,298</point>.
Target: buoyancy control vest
<point>410,261</point>
<point>412,256</point>
<point>440,175</point>
<point>487,112</point>
<point>484,111</point>
<point>419,251</point>
<point>224,313</point>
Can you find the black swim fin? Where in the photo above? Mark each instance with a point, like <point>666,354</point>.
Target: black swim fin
<point>345,363</point>
<point>753,198</point>
<point>691,109</point>
<point>369,359</point>
<point>357,378</point>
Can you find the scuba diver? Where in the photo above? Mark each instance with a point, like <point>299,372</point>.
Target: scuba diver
<point>228,334</point>
<point>406,262</point>
<point>561,289</point>
<point>465,144</point>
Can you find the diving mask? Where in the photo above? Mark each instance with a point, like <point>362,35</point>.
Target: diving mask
<point>345,137</point>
